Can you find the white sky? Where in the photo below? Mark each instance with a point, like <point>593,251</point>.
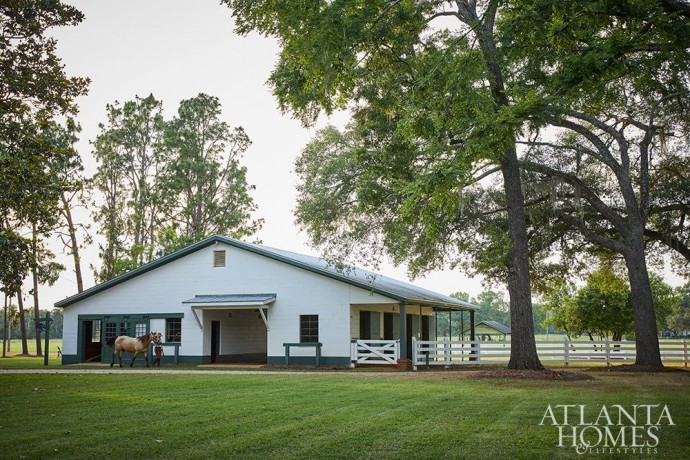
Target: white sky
<point>177,49</point>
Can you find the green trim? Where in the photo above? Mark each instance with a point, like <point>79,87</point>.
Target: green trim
<point>343,361</point>
<point>256,250</point>
<point>132,315</point>
<point>70,359</point>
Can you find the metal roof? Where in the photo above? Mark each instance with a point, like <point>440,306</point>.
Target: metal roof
<point>503,329</point>
<point>254,299</point>
<point>397,290</point>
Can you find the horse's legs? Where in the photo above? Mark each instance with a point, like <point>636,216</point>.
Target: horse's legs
<point>146,357</point>
<point>113,361</point>
<point>119,355</point>
<point>133,358</point>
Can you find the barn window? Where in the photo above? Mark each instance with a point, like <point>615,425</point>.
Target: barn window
<point>96,331</point>
<point>219,258</point>
<point>139,329</point>
<point>173,329</point>
<point>309,328</point>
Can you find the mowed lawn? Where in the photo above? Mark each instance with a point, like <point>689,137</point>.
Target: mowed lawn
<point>401,415</point>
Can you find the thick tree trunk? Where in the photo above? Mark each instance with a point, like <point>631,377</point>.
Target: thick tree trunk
<point>646,337</point>
<point>523,349</point>
<point>22,322</point>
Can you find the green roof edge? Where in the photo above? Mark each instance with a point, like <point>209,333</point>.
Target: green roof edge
<point>247,247</point>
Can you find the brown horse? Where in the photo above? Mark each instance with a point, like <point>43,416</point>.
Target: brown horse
<point>135,346</point>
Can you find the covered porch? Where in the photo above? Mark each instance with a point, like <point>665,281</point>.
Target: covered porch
<point>234,326</point>
<point>383,334</point>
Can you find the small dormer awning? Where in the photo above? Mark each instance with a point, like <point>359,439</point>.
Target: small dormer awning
<point>230,301</point>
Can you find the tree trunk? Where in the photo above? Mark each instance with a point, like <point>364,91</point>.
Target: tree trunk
<point>22,322</point>
<point>34,276</point>
<point>523,348</point>
<point>646,336</point>
<point>74,244</point>
<point>5,329</point>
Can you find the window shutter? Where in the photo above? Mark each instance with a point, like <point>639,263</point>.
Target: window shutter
<point>219,258</point>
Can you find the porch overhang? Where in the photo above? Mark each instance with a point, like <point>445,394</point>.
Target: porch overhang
<point>231,302</point>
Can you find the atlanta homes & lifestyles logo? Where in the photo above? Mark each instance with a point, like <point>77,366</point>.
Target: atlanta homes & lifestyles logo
<point>615,430</point>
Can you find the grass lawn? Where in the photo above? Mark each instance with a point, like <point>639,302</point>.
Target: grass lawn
<point>16,346</point>
<point>400,415</point>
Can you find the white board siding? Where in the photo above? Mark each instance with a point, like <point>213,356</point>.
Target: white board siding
<point>299,292</point>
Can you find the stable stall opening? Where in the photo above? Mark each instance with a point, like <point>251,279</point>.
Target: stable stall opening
<point>92,335</point>
<point>236,336</point>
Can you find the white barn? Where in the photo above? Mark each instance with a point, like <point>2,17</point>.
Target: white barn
<point>226,301</point>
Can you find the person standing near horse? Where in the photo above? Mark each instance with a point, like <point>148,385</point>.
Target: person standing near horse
<point>133,345</point>
<point>158,350</point>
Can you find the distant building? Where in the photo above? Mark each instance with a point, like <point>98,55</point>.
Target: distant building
<point>490,330</point>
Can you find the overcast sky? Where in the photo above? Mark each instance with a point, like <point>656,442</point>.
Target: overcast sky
<point>177,49</point>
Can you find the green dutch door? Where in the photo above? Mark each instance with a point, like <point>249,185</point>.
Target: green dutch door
<point>115,326</point>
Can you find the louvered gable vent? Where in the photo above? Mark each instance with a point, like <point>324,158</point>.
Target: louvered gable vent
<point>219,258</point>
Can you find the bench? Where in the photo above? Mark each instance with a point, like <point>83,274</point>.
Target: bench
<point>316,345</point>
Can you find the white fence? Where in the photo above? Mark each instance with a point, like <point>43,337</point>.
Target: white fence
<point>452,353</point>
<point>375,351</point>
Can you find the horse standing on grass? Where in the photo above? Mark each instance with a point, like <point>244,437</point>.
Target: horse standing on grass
<point>133,345</point>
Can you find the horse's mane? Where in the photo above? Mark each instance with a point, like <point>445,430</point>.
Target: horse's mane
<point>144,338</point>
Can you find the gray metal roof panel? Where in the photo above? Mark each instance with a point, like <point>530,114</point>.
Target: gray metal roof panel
<point>231,298</point>
<point>396,290</point>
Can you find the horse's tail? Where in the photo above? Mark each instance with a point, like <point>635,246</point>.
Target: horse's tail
<point>111,341</point>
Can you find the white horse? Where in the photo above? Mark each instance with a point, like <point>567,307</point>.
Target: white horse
<point>134,345</point>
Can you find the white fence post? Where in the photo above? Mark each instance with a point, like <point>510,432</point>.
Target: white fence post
<point>565,351</point>
<point>607,348</point>
<point>479,352</point>
<point>685,352</point>
<point>414,353</point>
<point>446,352</point>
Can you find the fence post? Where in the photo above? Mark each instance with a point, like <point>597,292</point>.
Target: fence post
<point>685,352</point>
<point>479,351</point>
<point>446,352</point>
<point>565,351</point>
<point>397,350</point>
<point>607,348</point>
<point>414,353</point>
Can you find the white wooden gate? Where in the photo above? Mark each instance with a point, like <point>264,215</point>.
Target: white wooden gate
<point>375,351</point>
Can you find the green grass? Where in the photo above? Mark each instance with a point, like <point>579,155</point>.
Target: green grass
<point>16,346</point>
<point>410,415</point>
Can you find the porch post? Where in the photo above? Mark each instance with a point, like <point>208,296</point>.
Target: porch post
<point>472,347</point>
<point>403,332</point>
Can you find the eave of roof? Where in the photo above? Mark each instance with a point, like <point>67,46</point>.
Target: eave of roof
<point>455,304</point>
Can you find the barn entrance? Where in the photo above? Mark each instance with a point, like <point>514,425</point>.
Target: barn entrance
<point>92,338</point>
<point>234,326</point>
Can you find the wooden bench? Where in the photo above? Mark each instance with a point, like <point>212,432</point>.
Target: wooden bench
<point>316,345</point>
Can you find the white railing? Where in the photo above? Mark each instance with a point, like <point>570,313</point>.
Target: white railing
<point>452,352</point>
<point>375,351</point>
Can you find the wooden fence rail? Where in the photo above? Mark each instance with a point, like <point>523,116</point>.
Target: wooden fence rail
<point>457,353</point>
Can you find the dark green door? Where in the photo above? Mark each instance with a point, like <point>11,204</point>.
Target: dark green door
<point>115,326</point>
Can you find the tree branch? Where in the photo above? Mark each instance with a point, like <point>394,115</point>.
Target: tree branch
<point>585,190</point>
